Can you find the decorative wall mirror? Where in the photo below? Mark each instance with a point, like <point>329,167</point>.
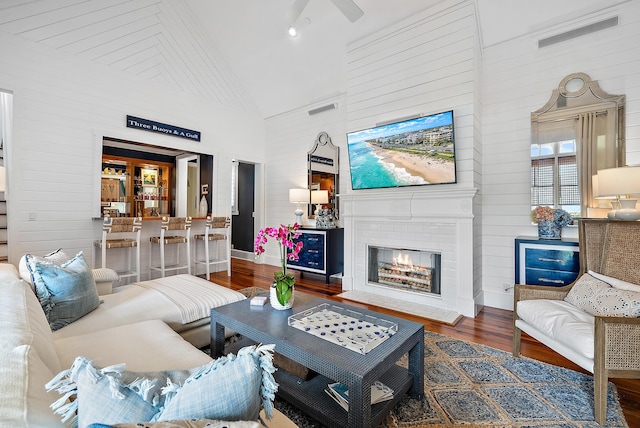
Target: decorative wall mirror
<point>579,131</point>
<point>323,166</point>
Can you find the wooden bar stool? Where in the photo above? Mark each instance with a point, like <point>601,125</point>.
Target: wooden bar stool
<point>180,233</point>
<point>120,232</point>
<point>216,229</point>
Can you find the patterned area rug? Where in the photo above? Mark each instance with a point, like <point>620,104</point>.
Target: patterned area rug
<point>474,385</point>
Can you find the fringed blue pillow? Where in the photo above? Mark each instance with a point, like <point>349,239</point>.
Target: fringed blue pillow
<point>232,388</point>
<point>67,292</point>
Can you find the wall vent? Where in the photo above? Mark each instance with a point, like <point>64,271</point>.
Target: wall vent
<point>578,32</point>
<point>323,108</point>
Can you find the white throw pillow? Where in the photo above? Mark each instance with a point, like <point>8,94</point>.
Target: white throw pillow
<point>105,275</point>
<point>56,258</point>
<point>615,282</point>
<point>598,298</point>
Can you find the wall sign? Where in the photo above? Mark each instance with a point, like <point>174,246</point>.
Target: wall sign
<point>162,128</point>
<point>320,159</point>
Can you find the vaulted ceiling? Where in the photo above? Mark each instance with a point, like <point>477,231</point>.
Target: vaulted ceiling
<point>237,52</point>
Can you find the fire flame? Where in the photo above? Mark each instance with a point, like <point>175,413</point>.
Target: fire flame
<point>403,260</point>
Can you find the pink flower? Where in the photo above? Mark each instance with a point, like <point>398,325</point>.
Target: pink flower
<point>541,213</point>
<point>559,216</point>
<point>285,235</point>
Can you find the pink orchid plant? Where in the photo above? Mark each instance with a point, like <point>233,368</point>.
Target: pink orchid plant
<point>285,235</point>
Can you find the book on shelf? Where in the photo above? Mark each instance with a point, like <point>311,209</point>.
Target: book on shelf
<point>340,393</point>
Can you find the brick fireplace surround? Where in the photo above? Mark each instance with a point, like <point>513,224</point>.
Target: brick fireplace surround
<point>430,219</point>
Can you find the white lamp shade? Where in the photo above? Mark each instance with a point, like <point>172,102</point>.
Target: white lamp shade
<point>299,196</point>
<point>619,181</point>
<point>319,196</point>
<point>595,186</point>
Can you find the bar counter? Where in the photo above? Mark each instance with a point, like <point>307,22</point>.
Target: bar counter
<point>118,258</point>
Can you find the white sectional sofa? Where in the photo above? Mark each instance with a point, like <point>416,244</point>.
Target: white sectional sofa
<point>181,301</point>
<point>31,354</point>
<point>147,300</point>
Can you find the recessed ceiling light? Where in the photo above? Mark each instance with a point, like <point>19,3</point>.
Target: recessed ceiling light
<point>293,31</point>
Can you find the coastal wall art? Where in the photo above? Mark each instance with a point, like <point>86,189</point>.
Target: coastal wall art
<point>412,152</point>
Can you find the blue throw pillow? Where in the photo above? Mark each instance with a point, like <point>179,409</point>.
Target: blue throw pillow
<point>231,388</point>
<point>184,423</point>
<point>66,292</point>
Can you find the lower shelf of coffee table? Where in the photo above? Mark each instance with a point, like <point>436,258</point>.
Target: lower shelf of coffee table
<point>309,396</point>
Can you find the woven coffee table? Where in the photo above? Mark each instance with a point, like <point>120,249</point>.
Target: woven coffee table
<point>331,362</point>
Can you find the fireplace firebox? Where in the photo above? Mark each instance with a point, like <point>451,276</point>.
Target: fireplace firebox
<point>407,269</point>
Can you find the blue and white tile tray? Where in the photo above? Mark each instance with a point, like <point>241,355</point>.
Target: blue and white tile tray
<point>353,330</point>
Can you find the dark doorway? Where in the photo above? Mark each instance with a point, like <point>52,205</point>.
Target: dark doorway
<point>242,223</point>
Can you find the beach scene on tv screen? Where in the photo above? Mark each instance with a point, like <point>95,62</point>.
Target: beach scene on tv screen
<point>413,152</point>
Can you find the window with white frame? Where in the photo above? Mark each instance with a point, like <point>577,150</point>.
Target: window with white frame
<point>554,169</point>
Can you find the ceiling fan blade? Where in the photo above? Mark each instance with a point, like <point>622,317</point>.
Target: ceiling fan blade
<point>349,8</point>
<point>297,8</point>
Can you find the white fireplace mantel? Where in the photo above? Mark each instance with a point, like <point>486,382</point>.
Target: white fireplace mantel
<point>424,219</point>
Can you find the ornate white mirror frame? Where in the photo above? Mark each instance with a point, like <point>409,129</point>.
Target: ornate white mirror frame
<point>581,113</point>
<point>323,167</point>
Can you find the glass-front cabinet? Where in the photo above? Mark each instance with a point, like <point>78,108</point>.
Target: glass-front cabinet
<point>114,188</point>
<point>135,187</point>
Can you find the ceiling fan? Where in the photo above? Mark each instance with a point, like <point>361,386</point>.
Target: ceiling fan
<point>348,7</point>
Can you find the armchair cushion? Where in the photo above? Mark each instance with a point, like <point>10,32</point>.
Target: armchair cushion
<point>562,322</point>
<point>598,298</point>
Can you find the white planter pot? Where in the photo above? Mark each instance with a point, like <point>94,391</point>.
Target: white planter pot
<point>273,299</point>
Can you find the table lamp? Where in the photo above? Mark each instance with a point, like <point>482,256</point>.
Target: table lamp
<point>299,196</point>
<point>618,182</point>
<point>319,197</point>
<point>601,209</point>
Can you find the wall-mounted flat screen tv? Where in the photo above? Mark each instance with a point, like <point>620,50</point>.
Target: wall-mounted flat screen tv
<point>412,152</point>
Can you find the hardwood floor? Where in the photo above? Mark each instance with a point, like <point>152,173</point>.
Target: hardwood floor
<point>492,327</point>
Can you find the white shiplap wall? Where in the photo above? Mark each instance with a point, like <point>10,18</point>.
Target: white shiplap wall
<point>63,104</point>
<point>422,65</point>
<point>517,79</point>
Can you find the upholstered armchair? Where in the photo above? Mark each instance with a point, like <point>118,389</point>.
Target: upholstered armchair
<point>594,321</point>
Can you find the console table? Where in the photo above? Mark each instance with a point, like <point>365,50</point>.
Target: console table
<point>322,252</point>
<point>330,362</point>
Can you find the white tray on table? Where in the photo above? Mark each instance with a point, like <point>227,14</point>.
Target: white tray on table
<point>353,330</point>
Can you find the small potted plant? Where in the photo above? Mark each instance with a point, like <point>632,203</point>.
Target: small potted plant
<point>550,221</point>
<point>282,287</point>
